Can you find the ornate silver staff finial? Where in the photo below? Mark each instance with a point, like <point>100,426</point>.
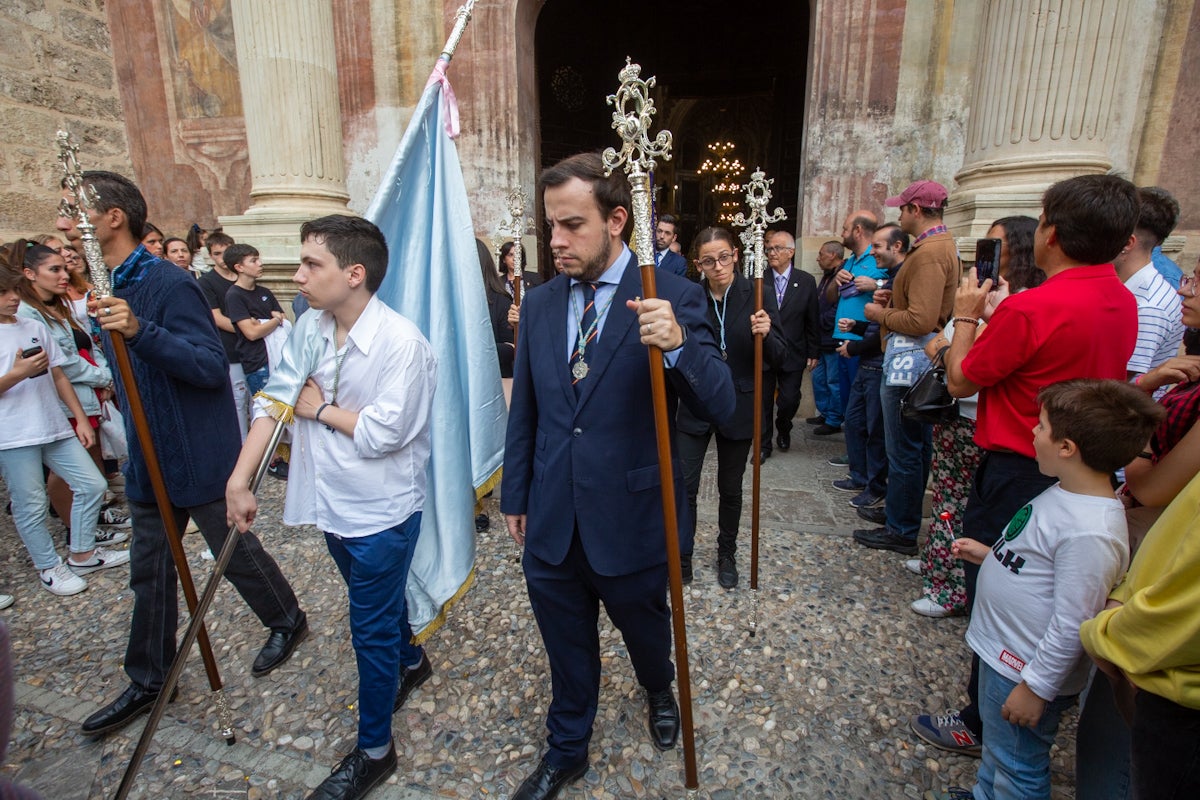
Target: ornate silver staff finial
<point>758,195</point>
<point>517,224</point>
<point>747,237</point>
<point>85,197</point>
<point>631,120</point>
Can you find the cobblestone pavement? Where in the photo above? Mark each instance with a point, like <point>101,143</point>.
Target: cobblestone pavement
<point>814,706</point>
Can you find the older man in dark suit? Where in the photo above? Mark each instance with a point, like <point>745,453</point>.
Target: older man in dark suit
<point>581,484</point>
<point>795,293</point>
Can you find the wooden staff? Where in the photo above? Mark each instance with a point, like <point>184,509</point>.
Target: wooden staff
<point>195,629</point>
<point>758,195</point>
<point>515,228</point>
<point>632,121</point>
<point>85,199</point>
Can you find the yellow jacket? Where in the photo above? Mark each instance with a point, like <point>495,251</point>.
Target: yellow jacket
<point>1155,636</point>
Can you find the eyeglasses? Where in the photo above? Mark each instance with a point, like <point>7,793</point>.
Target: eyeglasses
<point>1187,285</point>
<point>725,259</point>
<point>772,250</point>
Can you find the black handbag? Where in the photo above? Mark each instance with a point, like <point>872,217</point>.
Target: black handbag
<point>929,400</point>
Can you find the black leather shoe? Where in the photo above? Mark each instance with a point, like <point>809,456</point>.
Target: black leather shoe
<point>727,574</point>
<point>884,539</point>
<point>482,523</point>
<point>133,702</point>
<point>875,514</point>
<point>685,566</point>
<point>825,429</point>
<point>784,440</point>
<point>764,455</point>
<point>411,678</point>
<point>817,420</point>
<point>546,781</point>
<point>279,647</point>
<point>664,718</point>
<point>355,776</point>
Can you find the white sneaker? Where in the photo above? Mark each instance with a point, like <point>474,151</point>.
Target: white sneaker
<point>111,536</point>
<point>61,581</point>
<point>114,517</point>
<point>927,608</point>
<point>913,565</point>
<point>6,600</point>
<point>101,559</point>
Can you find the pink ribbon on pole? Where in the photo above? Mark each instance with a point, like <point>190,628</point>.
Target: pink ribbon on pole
<point>449,101</point>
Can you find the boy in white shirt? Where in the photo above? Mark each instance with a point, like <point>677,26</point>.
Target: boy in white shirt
<point>358,380</point>
<point>1052,569</point>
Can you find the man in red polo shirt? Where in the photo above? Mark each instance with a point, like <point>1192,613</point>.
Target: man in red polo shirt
<point>1080,323</point>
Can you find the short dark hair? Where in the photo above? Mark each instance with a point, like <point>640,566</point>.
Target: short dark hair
<point>1093,216</point>
<point>1109,421</point>
<point>236,254</point>
<point>868,224</point>
<point>1158,211</point>
<point>117,191</point>
<point>670,219</point>
<point>351,240</point>
<point>835,247</point>
<point>895,236</point>
<point>218,237</point>
<point>610,191</point>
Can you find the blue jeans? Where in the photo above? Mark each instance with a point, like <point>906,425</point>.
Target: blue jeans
<point>909,448</point>
<point>375,569</point>
<point>256,380</point>
<point>22,471</point>
<point>846,369</point>
<point>1016,760</point>
<point>827,389</point>
<point>864,430</point>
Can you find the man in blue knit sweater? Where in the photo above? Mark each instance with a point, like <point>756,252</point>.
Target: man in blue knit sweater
<point>180,369</point>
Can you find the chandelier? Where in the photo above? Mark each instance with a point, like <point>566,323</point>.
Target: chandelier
<point>725,172</point>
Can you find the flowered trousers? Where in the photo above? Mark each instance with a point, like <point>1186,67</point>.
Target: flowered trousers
<point>955,459</point>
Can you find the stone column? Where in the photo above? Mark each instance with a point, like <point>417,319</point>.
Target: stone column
<point>287,68</point>
<point>1055,95</point>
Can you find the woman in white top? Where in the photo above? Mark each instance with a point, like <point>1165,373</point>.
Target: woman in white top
<point>34,431</point>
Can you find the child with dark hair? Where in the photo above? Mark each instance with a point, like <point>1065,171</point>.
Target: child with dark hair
<point>1049,571</point>
<point>254,312</point>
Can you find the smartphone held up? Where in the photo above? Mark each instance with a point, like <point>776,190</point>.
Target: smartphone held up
<point>987,261</point>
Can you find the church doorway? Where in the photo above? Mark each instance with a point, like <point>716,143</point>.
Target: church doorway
<point>730,88</point>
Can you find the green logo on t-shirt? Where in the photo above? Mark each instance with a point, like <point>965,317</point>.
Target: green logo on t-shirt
<point>1018,523</point>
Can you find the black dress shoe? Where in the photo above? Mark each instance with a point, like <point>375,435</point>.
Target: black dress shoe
<point>120,712</point>
<point>355,776</point>
<point>482,523</point>
<point>875,514</point>
<point>727,574</point>
<point>546,781</point>
<point>764,455</point>
<point>825,429</point>
<point>279,647</point>
<point>685,566</point>
<point>817,420</point>
<point>411,678</point>
<point>884,539</point>
<point>784,440</point>
<point>664,718</point>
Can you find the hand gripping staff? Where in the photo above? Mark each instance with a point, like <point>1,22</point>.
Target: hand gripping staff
<point>84,198</point>
<point>758,195</point>
<point>631,121</point>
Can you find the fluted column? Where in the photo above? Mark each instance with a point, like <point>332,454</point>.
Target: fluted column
<point>1055,95</point>
<point>288,73</point>
<point>287,67</point>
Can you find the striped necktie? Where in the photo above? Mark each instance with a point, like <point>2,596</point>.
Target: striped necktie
<point>587,333</point>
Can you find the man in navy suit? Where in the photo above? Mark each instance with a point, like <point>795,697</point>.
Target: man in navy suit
<point>666,231</point>
<point>581,486</point>
<point>799,316</point>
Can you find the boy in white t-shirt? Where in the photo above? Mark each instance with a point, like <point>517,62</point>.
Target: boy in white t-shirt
<point>1053,568</point>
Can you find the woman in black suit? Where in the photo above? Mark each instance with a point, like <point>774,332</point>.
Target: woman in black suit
<point>731,312</point>
<point>499,300</point>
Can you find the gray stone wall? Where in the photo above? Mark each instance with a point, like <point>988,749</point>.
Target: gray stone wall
<point>56,71</point>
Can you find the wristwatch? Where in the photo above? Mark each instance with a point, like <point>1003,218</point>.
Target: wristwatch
<point>879,283</point>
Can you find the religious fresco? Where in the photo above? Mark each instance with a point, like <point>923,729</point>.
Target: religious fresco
<point>203,58</point>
